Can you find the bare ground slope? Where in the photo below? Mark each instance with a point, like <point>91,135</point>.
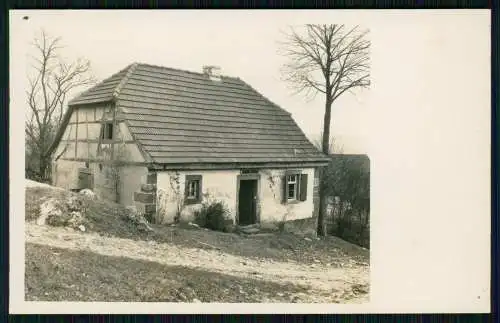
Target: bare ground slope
<point>113,261</point>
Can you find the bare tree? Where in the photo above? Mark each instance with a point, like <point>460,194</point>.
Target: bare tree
<point>51,79</point>
<point>333,147</point>
<point>326,59</point>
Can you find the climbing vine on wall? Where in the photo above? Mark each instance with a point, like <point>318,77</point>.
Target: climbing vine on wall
<point>162,200</point>
<point>274,185</point>
<point>178,197</point>
<point>121,154</point>
<point>172,196</point>
<point>273,181</point>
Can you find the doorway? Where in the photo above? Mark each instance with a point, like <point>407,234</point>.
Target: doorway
<point>247,202</point>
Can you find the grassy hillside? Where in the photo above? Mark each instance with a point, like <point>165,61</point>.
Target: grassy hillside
<point>115,260</point>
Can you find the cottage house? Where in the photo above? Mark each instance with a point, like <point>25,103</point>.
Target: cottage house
<point>165,140</point>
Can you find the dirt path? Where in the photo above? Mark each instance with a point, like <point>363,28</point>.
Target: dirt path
<point>325,284</point>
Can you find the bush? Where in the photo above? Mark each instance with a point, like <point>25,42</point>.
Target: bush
<point>67,212</point>
<point>351,226</point>
<point>346,184</point>
<point>213,215</point>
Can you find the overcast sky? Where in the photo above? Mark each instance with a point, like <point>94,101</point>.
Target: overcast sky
<point>242,43</point>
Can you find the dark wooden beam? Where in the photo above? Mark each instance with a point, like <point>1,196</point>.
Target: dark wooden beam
<point>96,141</point>
<point>227,166</point>
<point>98,122</point>
<point>105,162</point>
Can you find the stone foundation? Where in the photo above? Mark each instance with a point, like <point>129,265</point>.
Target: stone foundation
<point>303,226</point>
<point>300,227</point>
<point>145,199</point>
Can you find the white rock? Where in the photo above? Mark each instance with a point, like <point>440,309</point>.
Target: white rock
<point>196,300</point>
<point>193,224</point>
<point>88,193</point>
<point>41,220</point>
<point>132,209</point>
<point>81,227</point>
<point>48,208</point>
<point>307,239</point>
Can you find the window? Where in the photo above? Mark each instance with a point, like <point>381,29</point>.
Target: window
<point>107,131</point>
<point>294,187</point>
<point>193,189</point>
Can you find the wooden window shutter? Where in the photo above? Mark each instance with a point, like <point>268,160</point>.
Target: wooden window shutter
<point>303,187</point>
<point>284,190</point>
<point>200,189</point>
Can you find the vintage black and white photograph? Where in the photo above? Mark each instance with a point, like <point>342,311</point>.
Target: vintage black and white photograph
<point>249,161</point>
<point>214,161</point>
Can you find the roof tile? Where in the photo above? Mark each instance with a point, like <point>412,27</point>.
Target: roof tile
<point>185,117</point>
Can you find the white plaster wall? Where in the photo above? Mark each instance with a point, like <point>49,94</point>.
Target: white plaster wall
<point>131,178</point>
<point>104,182</point>
<point>128,152</point>
<point>124,132</point>
<point>66,173</point>
<point>82,129</point>
<point>82,150</point>
<point>94,130</point>
<point>222,185</point>
<point>271,207</point>
<point>68,148</point>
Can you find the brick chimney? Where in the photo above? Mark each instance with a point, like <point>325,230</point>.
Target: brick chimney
<point>213,72</point>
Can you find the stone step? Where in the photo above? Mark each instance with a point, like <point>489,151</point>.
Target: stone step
<point>249,229</point>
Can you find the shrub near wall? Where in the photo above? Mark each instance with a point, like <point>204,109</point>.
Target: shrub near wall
<point>213,215</point>
<point>347,184</point>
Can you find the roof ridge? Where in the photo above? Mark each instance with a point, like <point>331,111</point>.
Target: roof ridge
<point>183,70</point>
<point>124,80</point>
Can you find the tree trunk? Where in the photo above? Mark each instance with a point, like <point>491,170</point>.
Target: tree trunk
<point>321,230</point>
<point>325,147</point>
<point>43,169</point>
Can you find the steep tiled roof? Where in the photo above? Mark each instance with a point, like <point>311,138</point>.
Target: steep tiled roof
<point>103,91</point>
<point>185,117</point>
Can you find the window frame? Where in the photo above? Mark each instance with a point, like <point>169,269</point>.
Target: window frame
<point>193,179</point>
<point>296,186</point>
<point>192,190</point>
<point>300,194</point>
<point>107,129</point>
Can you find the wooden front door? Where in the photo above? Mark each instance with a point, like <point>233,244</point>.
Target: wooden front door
<point>247,202</point>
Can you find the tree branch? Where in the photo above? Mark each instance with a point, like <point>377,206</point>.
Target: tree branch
<point>50,82</point>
